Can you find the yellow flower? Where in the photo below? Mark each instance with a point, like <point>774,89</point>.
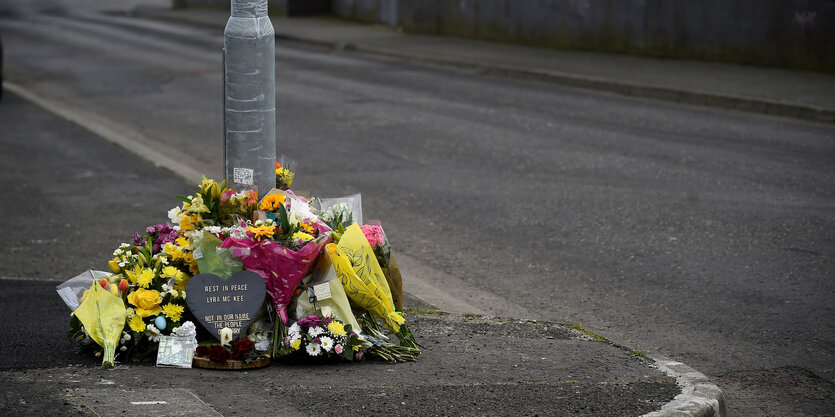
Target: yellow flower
<point>210,188</point>
<point>336,328</point>
<point>302,236</point>
<point>113,264</point>
<point>173,251</point>
<point>296,344</point>
<point>271,202</point>
<point>172,311</point>
<point>183,243</point>
<point>261,231</point>
<point>141,276</point>
<point>187,222</point>
<point>146,302</point>
<point>197,205</point>
<point>137,324</point>
<point>180,280</point>
<point>170,272</point>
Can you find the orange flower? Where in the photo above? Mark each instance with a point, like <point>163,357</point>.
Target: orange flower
<point>307,227</point>
<point>271,202</point>
<point>261,231</point>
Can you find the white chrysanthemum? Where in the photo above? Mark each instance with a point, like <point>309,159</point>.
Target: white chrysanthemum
<point>315,331</point>
<point>295,329</point>
<point>314,349</point>
<point>327,343</point>
<point>213,229</point>
<point>152,333</point>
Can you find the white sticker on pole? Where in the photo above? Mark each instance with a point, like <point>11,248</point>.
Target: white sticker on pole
<point>322,291</point>
<point>242,176</point>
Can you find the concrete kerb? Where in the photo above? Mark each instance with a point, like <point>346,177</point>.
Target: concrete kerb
<point>699,396</point>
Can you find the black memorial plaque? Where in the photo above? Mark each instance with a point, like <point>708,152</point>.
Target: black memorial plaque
<point>231,303</point>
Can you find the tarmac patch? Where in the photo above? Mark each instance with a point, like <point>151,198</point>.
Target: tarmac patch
<point>147,402</point>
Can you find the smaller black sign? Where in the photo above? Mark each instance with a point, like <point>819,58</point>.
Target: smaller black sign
<point>231,303</point>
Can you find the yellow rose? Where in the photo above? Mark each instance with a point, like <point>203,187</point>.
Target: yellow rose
<point>146,302</point>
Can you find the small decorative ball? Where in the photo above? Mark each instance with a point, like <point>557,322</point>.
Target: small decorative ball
<point>160,322</point>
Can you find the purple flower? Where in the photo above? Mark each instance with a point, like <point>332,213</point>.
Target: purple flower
<point>150,229</point>
<point>311,320</point>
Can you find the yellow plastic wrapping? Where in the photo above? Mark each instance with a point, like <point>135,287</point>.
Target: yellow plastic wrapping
<point>362,278</point>
<point>103,316</point>
<point>337,306</point>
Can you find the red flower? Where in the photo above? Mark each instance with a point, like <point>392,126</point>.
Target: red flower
<point>241,348</point>
<point>218,353</point>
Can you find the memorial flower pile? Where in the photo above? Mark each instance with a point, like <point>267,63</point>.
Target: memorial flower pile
<point>332,288</point>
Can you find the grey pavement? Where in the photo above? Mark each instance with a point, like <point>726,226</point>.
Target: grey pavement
<point>788,93</point>
<point>70,197</point>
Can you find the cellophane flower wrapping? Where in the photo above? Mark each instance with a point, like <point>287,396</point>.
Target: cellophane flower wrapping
<point>361,277</point>
<point>337,306</point>
<point>212,258</point>
<point>103,315</point>
<point>382,250</point>
<point>281,268</point>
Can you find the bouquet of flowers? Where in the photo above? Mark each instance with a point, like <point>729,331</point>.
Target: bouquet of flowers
<point>281,249</point>
<point>321,336</point>
<point>284,173</point>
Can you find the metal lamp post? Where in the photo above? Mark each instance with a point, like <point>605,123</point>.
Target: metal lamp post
<point>249,97</point>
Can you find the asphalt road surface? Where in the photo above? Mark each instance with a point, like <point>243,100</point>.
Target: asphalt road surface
<point>705,235</point>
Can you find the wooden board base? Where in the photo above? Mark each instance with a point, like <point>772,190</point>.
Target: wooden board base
<point>231,365</point>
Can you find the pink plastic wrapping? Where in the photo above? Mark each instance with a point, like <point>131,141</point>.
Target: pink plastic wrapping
<point>281,268</point>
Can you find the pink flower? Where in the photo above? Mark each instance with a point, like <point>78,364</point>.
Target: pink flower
<point>338,349</point>
<point>226,195</point>
<point>374,234</point>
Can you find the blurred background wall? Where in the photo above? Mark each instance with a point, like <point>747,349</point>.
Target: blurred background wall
<point>787,33</point>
